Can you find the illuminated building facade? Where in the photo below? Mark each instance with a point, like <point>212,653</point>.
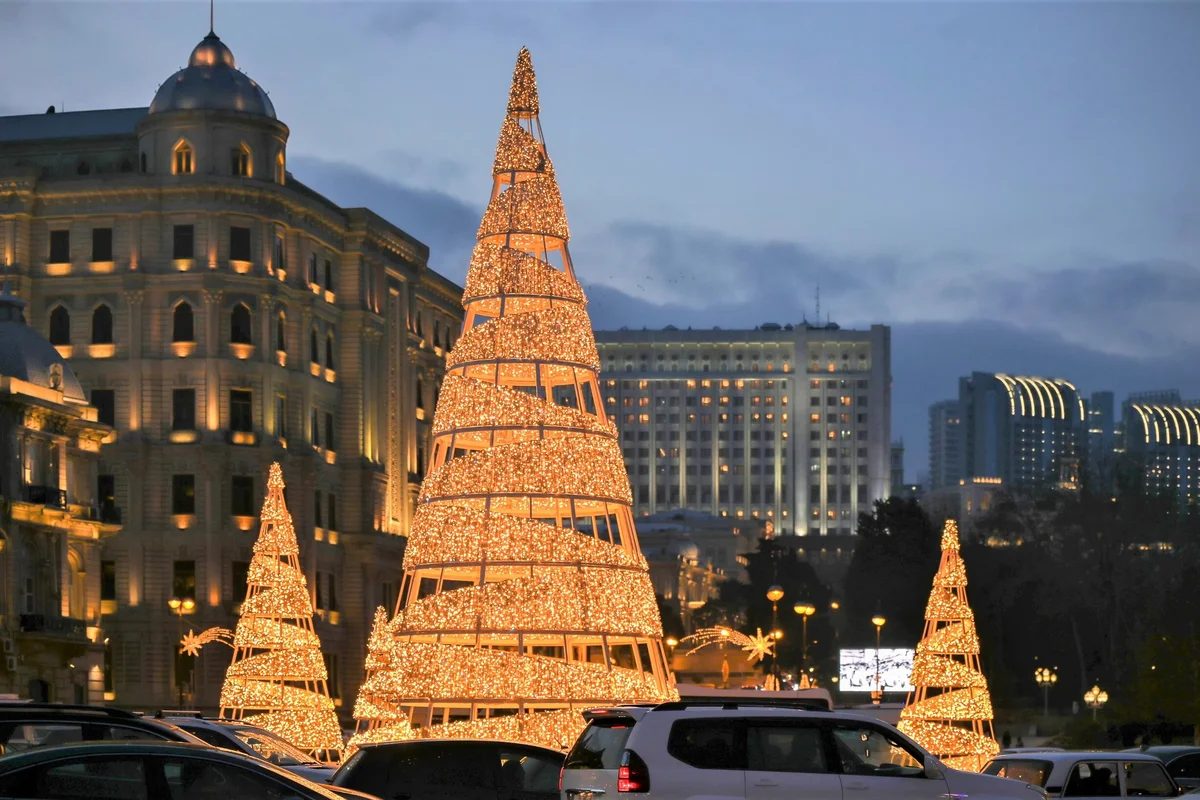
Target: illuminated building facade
<point>1026,431</point>
<point>221,315</point>
<point>1162,438</point>
<point>790,425</point>
<point>945,445</point>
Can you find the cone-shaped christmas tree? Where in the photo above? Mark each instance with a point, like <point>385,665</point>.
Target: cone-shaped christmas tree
<point>949,711</point>
<point>526,598</point>
<point>277,677</point>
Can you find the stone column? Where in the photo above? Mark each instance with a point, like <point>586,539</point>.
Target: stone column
<point>133,304</point>
<point>212,359</point>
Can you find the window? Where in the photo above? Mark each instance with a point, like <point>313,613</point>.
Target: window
<point>106,497</point>
<point>184,242</point>
<point>204,778</point>
<point>242,496</point>
<point>1186,768</point>
<point>108,580</point>
<point>867,750</point>
<point>239,580</point>
<point>239,243</point>
<point>280,254</point>
<point>1147,779</point>
<point>240,161</point>
<point>786,748</point>
<point>317,518</point>
<point>143,163</point>
<point>1093,779</point>
<point>105,403</point>
<point>183,582</point>
<point>328,275</point>
<point>330,442</point>
<point>60,326</point>
<point>314,428</point>
<point>241,410</point>
<point>102,244</point>
<point>281,333</point>
<point>239,325</point>
<point>528,773</point>
<point>184,163</point>
<point>280,171</point>
<point>312,268</point>
<point>706,744</point>
<point>314,351</point>
<point>333,520</point>
<point>1024,770</point>
<point>183,328</point>
<point>335,686</point>
<point>329,351</point>
<point>183,494</point>
<point>102,325</point>
<point>78,778</point>
<point>60,247</point>
<point>183,409</point>
<point>281,416</point>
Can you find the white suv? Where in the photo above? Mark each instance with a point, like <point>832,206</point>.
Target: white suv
<point>725,750</point>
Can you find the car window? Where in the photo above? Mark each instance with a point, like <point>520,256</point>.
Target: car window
<point>711,743</point>
<point>21,736</point>
<point>82,778</point>
<point>212,737</point>
<point>271,748</point>
<point>786,748</point>
<point>601,745</point>
<point>1147,779</point>
<point>204,779</point>
<point>1187,767</point>
<point>1026,770</point>
<point>1093,779</point>
<point>462,770</point>
<point>526,773</point>
<point>867,750</point>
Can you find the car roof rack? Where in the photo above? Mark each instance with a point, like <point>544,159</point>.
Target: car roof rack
<point>813,704</point>
<point>175,712</point>
<point>106,711</point>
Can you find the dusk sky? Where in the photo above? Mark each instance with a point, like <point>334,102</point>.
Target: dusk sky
<point>1011,186</point>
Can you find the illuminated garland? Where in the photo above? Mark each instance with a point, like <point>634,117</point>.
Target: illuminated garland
<point>949,712</point>
<point>277,677</point>
<point>526,598</point>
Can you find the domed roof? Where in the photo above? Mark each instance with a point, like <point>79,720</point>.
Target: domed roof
<point>28,356</point>
<point>211,81</point>
<point>684,548</point>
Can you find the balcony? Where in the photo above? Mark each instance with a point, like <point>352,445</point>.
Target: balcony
<point>64,627</point>
<point>44,496</point>
<point>110,513</point>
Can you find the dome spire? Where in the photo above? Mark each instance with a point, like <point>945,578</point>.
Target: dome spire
<point>211,29</point>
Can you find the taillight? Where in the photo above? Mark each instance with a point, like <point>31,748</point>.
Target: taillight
<point>633,774</point>
<point>560,774</point>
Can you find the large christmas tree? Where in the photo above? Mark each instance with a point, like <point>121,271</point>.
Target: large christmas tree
<point>526,598</point>
<point>949,711</point>
<point>277,679</point>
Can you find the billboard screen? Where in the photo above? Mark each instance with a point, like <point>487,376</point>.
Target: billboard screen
<point>857,669</point>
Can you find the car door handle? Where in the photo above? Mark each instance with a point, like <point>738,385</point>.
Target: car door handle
<point>858,787</point>
<point>765,783</point>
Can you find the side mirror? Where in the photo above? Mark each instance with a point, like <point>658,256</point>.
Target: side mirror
<point>933,769</point>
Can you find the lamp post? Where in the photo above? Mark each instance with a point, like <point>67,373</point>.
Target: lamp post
<point>775,594</point>
<point>180,605</point>
<point>878,621</point>
<point>1045,678</point>
<point>805,611</point>
<point>1095,698</point>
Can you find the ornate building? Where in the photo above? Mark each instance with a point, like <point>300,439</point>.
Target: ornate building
<point>222,315</point>
<point>52,522</point>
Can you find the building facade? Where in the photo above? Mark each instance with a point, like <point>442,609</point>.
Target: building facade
<point>896,464</point>
<point>221,315</point>
<point>786,424</point>
<point>52,523</point>
<point>945,445</point>
<point>1162,439</point>
<point>1026,431</point>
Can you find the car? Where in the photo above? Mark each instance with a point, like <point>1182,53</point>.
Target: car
<point>1183,762</point>
<point>26,726</point>
<point>760,751</point>
<point>1010,750</point>
<point>1082,773</point>
<point>141,770</point>
<point>251,740</point>
<point>452,769</point>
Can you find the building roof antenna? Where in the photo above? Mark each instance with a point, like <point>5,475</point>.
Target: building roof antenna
<point>210,16</point>
<point>818,301</point>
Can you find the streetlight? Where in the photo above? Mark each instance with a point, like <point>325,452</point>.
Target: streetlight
<point>1045,678</point>
<point>671,641</point>
<point>805,611</point>
<point>1095,697</point>
<point>878,621</point>
<point>180,606</point>
<point>775,594</point>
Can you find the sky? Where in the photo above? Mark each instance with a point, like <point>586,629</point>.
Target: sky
<point>1011,186</point>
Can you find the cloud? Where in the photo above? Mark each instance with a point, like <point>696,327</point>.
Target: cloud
<point>404,21</point>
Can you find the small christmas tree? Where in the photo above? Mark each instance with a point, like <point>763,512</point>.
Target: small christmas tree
<point>277,678</point>
<point>374,697</point>
<point>949,711</point>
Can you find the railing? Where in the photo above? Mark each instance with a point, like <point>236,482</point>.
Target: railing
<point>55,626</point>
<point>45,495</point>
<point>110,513</point>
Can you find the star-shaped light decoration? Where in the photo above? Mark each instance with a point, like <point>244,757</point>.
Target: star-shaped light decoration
<point>192,641</point>
<point>759,646</point>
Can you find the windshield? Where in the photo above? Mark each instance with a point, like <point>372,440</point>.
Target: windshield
<point>601,744</point>
<point>273,749</point>
<point>1027,770</point>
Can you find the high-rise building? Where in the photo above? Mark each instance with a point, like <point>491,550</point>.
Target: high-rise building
<point>945,445</point>
<point>787,424</point>
<point>222,315</point>
<point>896,463</point>
<point>1026,431</point>
<point>1100,444</point>
<point>1162,438</point>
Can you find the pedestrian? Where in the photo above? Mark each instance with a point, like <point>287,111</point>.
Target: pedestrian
<point>1006,740</point>
<point>1020,742</point>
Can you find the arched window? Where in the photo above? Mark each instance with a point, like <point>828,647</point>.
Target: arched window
<point>102,325</point>
<point>329,351</point>
<point>183,327</point>
<point>314,353</point>
<point>280,171</point>
<point>239,325</point>
<point>60,326</point>
<point>281,332</point>
<point>184,162</point>
<point>240,165</point>
<point>420,394</point>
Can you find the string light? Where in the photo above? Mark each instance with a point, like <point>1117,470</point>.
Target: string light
<point>950,711</point>
<point>277,679</point>
<point>526,599</point>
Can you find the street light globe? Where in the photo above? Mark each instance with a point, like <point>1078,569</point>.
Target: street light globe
<point>188,604</point>
<point>775,593</point>
<point>778,634</point>
<point>878,621</point>
<point>804,609</point>
<point>835,605</point>
<point>672,641</point>
<point>174,603</point>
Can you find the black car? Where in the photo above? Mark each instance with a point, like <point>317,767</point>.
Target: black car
<point>27,726</point>
<point>1183,762</point>
<point>145,770</point>
<point>452,769</point>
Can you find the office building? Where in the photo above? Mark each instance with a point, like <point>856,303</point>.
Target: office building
<point>221,315</point>
<point>896,462</point>
<point>1162,439</point>
<point>945,445</point>
<point>786,424</point>
<point>1101,442</point>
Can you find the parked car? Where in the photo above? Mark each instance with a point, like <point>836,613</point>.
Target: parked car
<point>452,769</point>
<point>251,740</point>
<point>142,770</point>
<point>1083,774</point>
<point>767,751</point>
<point>1183,763</point>
<point>26,726</point>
